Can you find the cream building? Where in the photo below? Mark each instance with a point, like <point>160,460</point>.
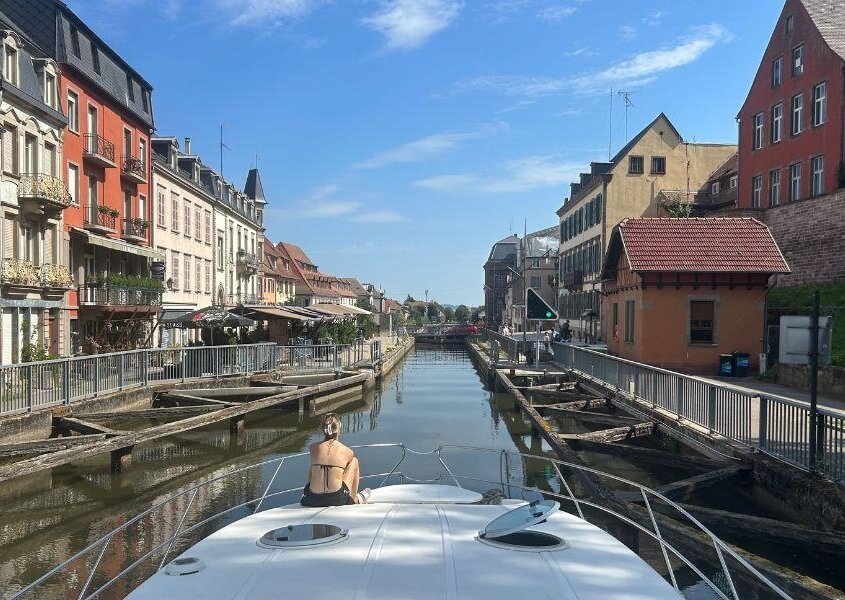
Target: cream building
<point>34,276</point>
<point>183,231</point>
<point>656,164</point>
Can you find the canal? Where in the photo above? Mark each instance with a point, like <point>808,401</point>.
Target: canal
<point>436,396</point>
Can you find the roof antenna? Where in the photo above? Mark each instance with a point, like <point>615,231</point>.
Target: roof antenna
<point>257,158</point>
<point>610,126</point>
<point>222,146</point>
<point>628,104</point>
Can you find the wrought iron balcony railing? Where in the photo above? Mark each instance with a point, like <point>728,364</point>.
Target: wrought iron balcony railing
<point>105,294</point>
<point>134,167</point>
<point>100,218</point>
<point>134,229</point>
<point>26,273</point>
<point>248,261</point>
<point>99,148</point>
<point>44,188</point>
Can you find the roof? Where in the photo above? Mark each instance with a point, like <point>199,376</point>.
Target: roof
<point>253,188</point>
<point>355,286</point>
<point>635,140</point>
<point>296,253</point>
<point>693,245</point>
<point>504,249</point>
<point>828,16</point>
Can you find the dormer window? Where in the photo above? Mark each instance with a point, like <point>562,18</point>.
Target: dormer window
<point>10,66</point>
<point>49,89</point>
<point>95,58</point>
<point>130,88</point>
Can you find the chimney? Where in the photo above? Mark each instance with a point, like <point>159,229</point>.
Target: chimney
<point>188,146</point>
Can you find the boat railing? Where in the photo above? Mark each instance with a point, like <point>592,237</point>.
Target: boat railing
<point>677,533</point>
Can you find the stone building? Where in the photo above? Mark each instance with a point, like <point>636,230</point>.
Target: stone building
<point>537,268</point>
<point>499,267</point>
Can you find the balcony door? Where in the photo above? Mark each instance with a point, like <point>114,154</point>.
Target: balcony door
<point>30,154</point>
<point>93,121</point>
<point>29,242</point>
<point>127,143</point>
<point>93,200</point>
<point>127,205</point>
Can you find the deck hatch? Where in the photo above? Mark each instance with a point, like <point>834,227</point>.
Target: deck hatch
<point>510,530</point>
<point>303,536</point>
<point>186,565</point>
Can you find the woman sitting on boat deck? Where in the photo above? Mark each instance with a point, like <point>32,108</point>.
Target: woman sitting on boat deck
<point>333,475</point>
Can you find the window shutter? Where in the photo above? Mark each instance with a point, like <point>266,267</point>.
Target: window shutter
<point>8,237</point>
<point>9,150</point>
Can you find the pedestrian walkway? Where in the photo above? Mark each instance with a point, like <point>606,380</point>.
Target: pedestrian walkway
<point>752,385</point>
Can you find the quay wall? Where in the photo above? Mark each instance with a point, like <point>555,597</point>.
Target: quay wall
<point>396,355</point>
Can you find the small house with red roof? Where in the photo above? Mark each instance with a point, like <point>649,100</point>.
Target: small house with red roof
<point>680,292</point>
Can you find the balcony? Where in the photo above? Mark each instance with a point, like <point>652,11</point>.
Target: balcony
<point>43,193</point>
<point>111,296</point>
<point>99,150</point>
<point>100,219</point>
<point>134,230</point>
<point>133,168</point>
<point>247,262</point>
<point>26,274</point>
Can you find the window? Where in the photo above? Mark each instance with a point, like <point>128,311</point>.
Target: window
<point>658,165</point>
<point>774,188</point>
<point>142,206</point>
<point>789,24</point>
<point>615,321</point>
<point>127,205</point>
<point>73,183</point>
<point>50,89</point>
<point>715,187</point>
<point>220,250</point>
<point>10,70</point>
<point>74,41</point>
<point>130,88</point>
<point>174,211</point>
<point>701,317</point>
<point>635,165</point>
<point>758,131</point>
<point>777,71</point>
<point>777,122</point>
<point>797,60</point>
<point>72,111</point>
<point>142,150</point>
<point>208,227</point>
<point>208,277</point>
<point>797,114</point>
<point>30,154</point>
<point>95,58</point>
<point>819,104</point>
<point>162,208</point>
<point>732,182</point>
<point>93,197</point>
<point>756,190</point>
<point>127,143</point>
<point>535,282</point>
<point>174,261</point>
<point>794,182</point>
<point>629,321</point>
<point>187,229</point>
<point>145,98</point>
<point>198,276</point>
<point>93,120</point>
<point>817,167</point>
<point>198,224</point>
<point>187,265</point>
<point>48,160</point>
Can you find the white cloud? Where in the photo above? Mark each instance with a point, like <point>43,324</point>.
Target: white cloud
<point>583,51</point>
<point>268,13</point>
<point>636,71</point>
<point>379,216</point>
<point>556,14</point>
<point>628,32</point>
<point>520,175</point>
<point>335,208</point>
<point>654,18</point>
<point>408,24</point>
<point>323,203</point>
<point>427,147</point>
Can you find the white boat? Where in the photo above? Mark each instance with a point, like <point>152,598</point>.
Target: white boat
<point>428,539</point>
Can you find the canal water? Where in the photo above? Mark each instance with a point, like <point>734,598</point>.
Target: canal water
<point>436,397</point>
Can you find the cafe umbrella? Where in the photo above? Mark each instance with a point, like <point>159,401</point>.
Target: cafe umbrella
<point>211,317</point>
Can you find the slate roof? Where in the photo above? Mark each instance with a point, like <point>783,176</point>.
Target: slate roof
<point>253,188</point>
<point>709,245</point>
<point>829,16</point>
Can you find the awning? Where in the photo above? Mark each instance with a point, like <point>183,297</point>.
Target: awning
<point>212,317</point>
<point>118,245</point>
<point>171,315</point>
<point>272,312</point>
<point>338,310</point>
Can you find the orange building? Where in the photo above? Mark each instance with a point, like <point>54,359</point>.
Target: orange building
<point>680,292</point>
<point>107,169</point>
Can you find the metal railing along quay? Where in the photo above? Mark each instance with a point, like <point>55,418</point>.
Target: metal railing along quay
<point>776,425</point>
<point>25,387</point>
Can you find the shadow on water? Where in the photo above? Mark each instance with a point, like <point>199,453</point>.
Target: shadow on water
<point>436,397</point>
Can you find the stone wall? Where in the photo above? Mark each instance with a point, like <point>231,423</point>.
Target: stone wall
<point>811,235</point>
<point>831,379</point>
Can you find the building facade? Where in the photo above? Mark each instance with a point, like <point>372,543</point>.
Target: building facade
<point>498,269</point>
<point>34,275</point>
<point>678,305</point>
<point>654,165</point>
<point>537,268</point>
<point>791,123</point>
<point>278,280</point>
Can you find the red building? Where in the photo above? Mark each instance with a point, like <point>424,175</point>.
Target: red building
<point>791,124</point>
<point>107,168</point>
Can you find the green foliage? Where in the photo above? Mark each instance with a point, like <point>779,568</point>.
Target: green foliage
<point>364,302</point>
<point>799,300</point>
<point>31,350</point>
<point>475,315</point>
<point>130,281</point>
<point>462,313</point>
<point>433,311</point>
<point>679,209</point>
<point>448,314</point>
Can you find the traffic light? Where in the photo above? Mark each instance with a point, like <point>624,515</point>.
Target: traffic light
<point>536,308</point>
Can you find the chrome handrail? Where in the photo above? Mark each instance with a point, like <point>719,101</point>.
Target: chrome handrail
<point>721,547</point>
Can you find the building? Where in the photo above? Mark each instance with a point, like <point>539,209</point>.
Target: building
<point>312,286</point>
<point>238,222</point>
<point>536,266</point>
<point>679,305</point>
<point>791,125</point>
<point>375,298</point>
<point>109,109</point>
<point>656,165</point>
<point>183,232</point>
<point>278,279</point>
<point>721,190</point>
<point>35,274</point>
<point>499,267</point>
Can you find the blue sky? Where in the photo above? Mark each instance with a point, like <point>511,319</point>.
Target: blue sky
<point>399,138</point>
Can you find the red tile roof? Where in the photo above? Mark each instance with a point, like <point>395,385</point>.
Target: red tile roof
<point>710,245</point>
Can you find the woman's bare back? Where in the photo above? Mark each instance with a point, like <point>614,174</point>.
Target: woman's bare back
<point>329,462</point>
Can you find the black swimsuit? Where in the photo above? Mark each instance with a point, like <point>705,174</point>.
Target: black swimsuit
<point>338,497</point>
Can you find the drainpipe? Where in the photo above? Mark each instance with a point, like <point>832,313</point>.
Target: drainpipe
<point>766,318</point>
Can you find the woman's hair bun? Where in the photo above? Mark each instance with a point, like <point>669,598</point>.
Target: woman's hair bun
<point>331,425</point>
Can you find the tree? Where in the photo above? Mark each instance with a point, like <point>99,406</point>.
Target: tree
<point>433,311</point>
<point>364,302</point>
<point>462,313</point>
<point>409,299</point>
<point>448,314</point>
<point>475,316</point>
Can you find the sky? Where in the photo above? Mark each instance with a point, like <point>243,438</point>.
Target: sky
<point>398,139</point>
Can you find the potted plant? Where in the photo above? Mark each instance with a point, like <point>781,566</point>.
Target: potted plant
<point>107,210</point>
